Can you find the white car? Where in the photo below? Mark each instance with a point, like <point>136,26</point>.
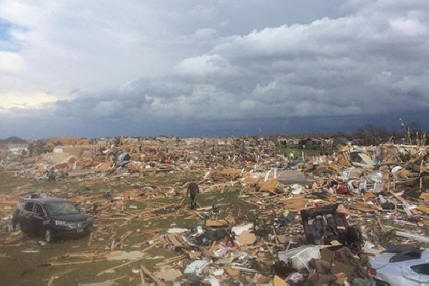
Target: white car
<point>406,268</point>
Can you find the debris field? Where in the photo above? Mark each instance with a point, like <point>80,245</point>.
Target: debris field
<point>262,216</point>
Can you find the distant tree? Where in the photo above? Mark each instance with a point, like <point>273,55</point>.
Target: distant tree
<point>413,132</point>
<point>372,135</point>
<point>37,147</point>
<point>415,127</point>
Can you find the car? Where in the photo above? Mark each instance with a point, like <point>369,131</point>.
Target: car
<point>403,266</point>
<point>52,218</point>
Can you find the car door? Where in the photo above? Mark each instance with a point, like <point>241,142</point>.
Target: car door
<point>38,217</point>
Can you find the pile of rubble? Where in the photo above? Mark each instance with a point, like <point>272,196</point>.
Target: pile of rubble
<point>282,219</point>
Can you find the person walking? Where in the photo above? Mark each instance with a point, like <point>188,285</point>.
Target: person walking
<point>192,191</point>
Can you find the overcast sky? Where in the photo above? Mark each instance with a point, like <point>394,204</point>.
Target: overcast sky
<point>215,67</point>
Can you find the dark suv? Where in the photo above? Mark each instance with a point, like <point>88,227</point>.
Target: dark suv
<point>51,217</point>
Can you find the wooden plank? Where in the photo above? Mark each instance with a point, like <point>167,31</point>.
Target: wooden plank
<point>127,263</point>
<point>74,262</point>
<point>142,278</point>
<point>51,280</point>
<point>154,278</point>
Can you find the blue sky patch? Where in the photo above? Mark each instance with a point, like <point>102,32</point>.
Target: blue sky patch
<point>4,30</point>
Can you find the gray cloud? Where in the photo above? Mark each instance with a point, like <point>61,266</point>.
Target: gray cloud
<point>364,59</point>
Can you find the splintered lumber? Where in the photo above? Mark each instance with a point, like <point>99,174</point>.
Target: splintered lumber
<point>121,265</point>
<point>112,240</point>
<point>90,239</point>
<point>142,278</point>
<point>275,236</point>
<point>80,255</point>
<point>155,240</point>
<point>158,209</point>
<point>423,209</point>
<point>123,237</point>
<point>198,214</point>
<point>216,223</point>
<point>151,276</point>
<point>126,263</point>
<point>170,260</point>
<point>296,203</point>
<point>405,204</point>
<point>424,197</point>
<point>51,280</point>
<point>212,247</point>
<point>74,262</point>
<point>277,281</point>
<point>174,239</point>
<point>413,236</point>
<point>269,186</point>
<point>365,207</point>
<point>119,278</point>
<point>8,202</point>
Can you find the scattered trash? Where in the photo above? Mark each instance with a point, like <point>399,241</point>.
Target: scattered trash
<point>177,230</point>
<point>213,281</point>
<point>197,266</point>
<point>300,256</point>
<point>268,211</point>
<point>218,272</point>
<point>241,228</point>
<point>413,236</point>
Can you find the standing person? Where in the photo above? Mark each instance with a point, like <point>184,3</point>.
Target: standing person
<point>51,175</point>
<point>192,191</point>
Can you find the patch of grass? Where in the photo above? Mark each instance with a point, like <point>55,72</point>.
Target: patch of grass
<point>228,199</point>
<point>8,181</point>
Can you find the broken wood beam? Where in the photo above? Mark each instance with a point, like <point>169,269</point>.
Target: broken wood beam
<point>151,276</point>
<point>126,263</point>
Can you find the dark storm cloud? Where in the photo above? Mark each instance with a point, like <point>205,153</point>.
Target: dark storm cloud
<point>365,59</point>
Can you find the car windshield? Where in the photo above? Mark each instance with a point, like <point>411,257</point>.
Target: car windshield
<point>61,208</point>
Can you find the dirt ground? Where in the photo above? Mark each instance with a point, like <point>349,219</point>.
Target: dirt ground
<point>25,261</point>
<point>251,208</point>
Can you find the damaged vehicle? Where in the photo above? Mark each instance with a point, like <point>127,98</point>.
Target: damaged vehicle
<point>52,218</point>
<point>400,266</point>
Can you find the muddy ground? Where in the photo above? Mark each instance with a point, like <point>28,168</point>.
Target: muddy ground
<point>24,260</point>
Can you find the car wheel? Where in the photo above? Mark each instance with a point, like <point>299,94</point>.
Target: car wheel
<point>48,235</point>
